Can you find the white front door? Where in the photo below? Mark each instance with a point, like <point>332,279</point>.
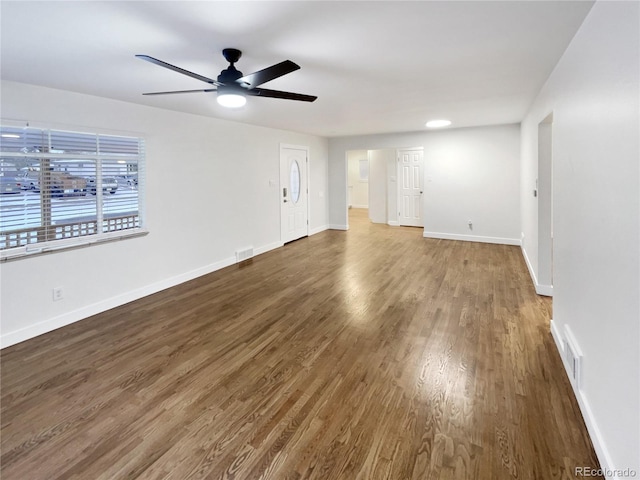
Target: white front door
<point>293,193</point>
<point>410,187</point>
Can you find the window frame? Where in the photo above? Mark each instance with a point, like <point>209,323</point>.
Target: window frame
<point>70,234</point>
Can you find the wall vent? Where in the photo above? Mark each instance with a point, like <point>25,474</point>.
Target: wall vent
<point>244,254</point>
<point>572,358</point>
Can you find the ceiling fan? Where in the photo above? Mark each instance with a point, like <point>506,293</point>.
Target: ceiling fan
<point>232,86</point>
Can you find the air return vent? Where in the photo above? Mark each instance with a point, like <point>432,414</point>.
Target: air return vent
<point>244,254</point>
<point>572,358</point>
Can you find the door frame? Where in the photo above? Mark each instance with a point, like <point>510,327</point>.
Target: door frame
<point>280,186</point>
<point>544,193</point>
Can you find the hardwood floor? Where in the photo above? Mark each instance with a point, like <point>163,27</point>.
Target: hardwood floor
<point>367,354</point>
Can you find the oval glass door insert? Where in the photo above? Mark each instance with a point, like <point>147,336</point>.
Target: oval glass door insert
<point>294,182</point>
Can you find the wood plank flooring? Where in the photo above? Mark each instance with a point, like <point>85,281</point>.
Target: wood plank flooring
<point>367,354</point>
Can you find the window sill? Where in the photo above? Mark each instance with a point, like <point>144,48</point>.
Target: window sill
<point>59,245</point>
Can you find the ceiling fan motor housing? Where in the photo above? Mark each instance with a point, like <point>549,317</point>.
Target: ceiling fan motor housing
<point>229,75</point>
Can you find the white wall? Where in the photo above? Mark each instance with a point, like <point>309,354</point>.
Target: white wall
<point>358,189</point>
<point>594,95</point>
<point>392,188</point>
<point>221,171</point>
<point>378,178</point>
<point>543,280</point>
<point>471,174</point>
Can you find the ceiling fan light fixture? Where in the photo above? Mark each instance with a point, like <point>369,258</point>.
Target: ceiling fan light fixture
<point>231,86</point>
<point>438,123</point>
<point>231,100</point>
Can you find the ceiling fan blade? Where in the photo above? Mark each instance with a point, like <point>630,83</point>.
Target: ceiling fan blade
<point>181,91</point>
<point>263,76</point>
<point>263,92</point>
<point>178,69</point>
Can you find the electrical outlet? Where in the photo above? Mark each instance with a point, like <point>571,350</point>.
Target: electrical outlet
<point>58,294</point>
<point>470,225</point>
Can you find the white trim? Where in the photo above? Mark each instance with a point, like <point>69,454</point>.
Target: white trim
<point>393,223</point>
<point>68,127</point>
<point>54,323</point>
<point>532,273</point>
<point>11,338</point>
<point>347,197</point>
<point>319,229</point>
<point>557,337</point>
<point>546,290</point>
<point>70,243</point>
<point>267,248</point>
<point>471,238</point>
<point>359,206</point>
<point>587,414</point>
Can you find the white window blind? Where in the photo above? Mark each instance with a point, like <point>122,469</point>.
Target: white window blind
<point>61,188</point>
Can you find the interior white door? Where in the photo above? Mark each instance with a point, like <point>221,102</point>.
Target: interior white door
<point>294,193</point>
<point>410,187</point>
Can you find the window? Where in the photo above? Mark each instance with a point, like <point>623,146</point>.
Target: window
<point>363,171</point>
<point>61,189</point>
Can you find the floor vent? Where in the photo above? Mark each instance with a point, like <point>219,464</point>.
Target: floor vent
<point>244,254</point>
<point>572,358</point>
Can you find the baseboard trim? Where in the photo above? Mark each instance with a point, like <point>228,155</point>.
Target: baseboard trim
<point>557,337</point>
<point>334,226</point>
<point>532,273</point>
<point>546,290</point>
<point>587,414</point>
<point>393,223</point>
<point>472,238</point>
<point>267,248</point>
<point>359,206</point>
<point>322,228</point>
<point>40,328</point>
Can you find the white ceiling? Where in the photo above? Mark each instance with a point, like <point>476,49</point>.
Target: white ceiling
<point>382,66</point>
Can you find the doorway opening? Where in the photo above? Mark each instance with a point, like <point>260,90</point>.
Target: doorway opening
<point>544,190</point>
<point>388,183</point>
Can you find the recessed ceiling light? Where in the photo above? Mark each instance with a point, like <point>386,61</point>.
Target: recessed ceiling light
<point>10,135</point>
<point>438,123</point>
